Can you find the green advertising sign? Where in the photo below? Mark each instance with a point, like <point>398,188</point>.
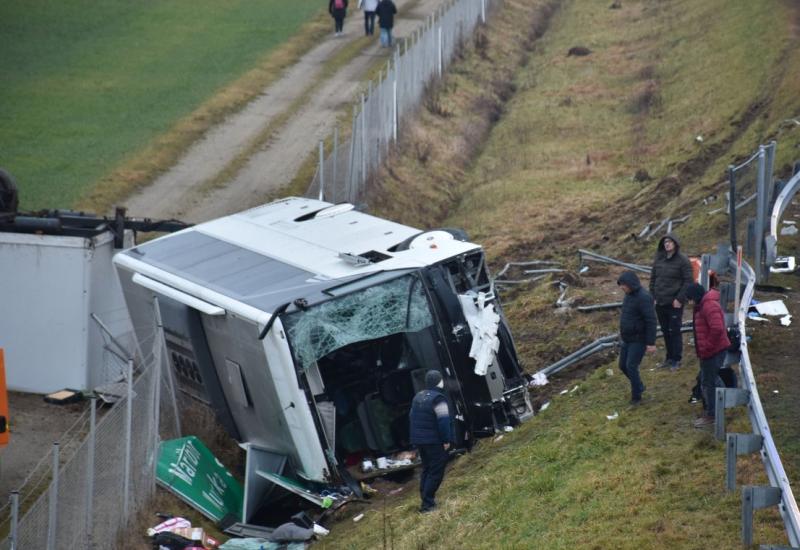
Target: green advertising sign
<point>187,468</point>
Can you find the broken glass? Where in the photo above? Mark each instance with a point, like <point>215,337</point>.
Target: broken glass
<point>397,306</point>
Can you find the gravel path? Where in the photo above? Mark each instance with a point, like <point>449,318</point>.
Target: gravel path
<point>183,192</point>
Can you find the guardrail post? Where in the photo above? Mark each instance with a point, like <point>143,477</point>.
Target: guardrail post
<point>90,450</point>
<point>52,521</point>
<point>126,484</point>
<point>739,444</point>
<point>321,170</point>
<point>14,518</point>
<point>727,398</point>
<point>754,498</point>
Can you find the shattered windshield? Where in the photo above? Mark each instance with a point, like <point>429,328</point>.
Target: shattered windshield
<point>393,307</point>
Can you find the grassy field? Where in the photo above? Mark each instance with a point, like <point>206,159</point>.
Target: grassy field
<point>547,167</point>
<point>87,85</point>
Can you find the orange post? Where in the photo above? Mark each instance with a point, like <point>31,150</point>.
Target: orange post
<point>4,431</point>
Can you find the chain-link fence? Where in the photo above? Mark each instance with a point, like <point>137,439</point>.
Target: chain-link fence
<point>344,174</point>
<point>749,204</point>
<point>102,471</point>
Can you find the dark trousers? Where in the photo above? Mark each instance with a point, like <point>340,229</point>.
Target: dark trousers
<point>434,459</point>
<point>710,380</point>
<point>338,18</point>
<point>630,355</point>
<point>670,319</point>
<point>369,23</point>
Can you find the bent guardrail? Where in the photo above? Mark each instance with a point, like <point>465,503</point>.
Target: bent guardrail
<point>782,202</point>
<point>778,492</point>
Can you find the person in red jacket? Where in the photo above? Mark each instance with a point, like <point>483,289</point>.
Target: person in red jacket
<point>711,344</point>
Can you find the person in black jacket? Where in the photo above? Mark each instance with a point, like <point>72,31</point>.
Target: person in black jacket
<point>670,277</point>
<point>637,331</point>
<point>338,10</point>
<point>386,11</point>
<point>431,433</point>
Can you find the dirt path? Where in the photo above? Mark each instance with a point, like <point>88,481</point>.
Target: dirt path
<point>185,192</point>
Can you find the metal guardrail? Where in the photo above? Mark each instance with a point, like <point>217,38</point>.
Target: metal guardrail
<point>782,202</point>
<point>779,492</point>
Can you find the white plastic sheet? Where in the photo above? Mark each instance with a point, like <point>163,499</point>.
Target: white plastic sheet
<point>483,322</point>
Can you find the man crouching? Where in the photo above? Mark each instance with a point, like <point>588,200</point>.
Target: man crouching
<point>430,433</point>
<point>637,331</point>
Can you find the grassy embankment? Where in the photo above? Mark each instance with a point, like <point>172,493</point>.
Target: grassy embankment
<point>555,174</point>
<point>98,98</point>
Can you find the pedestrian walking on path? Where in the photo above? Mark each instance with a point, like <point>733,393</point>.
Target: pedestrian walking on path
<point>369,7</point>
<point>637,331</point>
<point>386,11</point>
<point>671,275</point>
<point>429,425</point>
<point>711,344</point>
<point>338,10</point>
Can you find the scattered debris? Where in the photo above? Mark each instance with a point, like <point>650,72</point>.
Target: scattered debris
<point>786,320</point>
<point>498,438</point>
<point>63,397</point>
<point>250,543</point>
<point>499,280</point>
<point>544,406</point>
<point>584,269</point>
<point>483,322</point>
<point>753,316</point>
<point>789,230</point>
<point>508,429</point>
<point>775,391</point>
<point>613,416</point>
<point>396,491</point>
<point>774,308</point>
<point>538,379</point>
<point>709,199</point>
<point>699,139</point>
<point>169,525</point>
<point>358,518</point>
<point>579,51</point>
<point>609,372</point>
<point>598,307</point>
<point>573,389</point>
<point>588,255</point>
<point>784,264</point>
<point>563,392</point>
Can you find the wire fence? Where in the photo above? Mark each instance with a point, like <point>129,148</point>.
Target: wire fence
<point>343,176</point>
<point>102,471</point>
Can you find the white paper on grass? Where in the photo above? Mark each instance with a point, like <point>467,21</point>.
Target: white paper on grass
<point>613,416</point>
<point>786,320</point>
<point>544,407</point>
<point>774,307</point>
<point>483,322</point>
<point>539,379</point>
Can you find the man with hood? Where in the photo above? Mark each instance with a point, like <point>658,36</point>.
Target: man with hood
<point>637,331</point>
<point>431,433</point>
<point>711,344</point>
<point>670,277</point>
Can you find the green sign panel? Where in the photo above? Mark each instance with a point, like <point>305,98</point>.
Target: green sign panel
<point>187,468</point>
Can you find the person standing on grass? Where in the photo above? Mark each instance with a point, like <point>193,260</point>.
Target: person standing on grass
<point>711,344</point>
<point>369,7</point>
<point>429,425</point>
<point>671,275</point>
<point>386,11</point>
<point>637,331</point>
<point>338,10</point>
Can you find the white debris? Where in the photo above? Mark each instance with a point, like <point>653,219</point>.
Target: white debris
<point>562,392</point>
<point>498,438</point>
<point>789,230</point>
<point>539,379</point>
<point>359,517</point>
<point>699,139</point>
<point>609,372</point>
<point>613,416</point>
<point>756,317</point>
<point>784,264</point>
<point>544,407</point>
<point>584,269</point>
<point>775,391</point>
<point>774,307</point>
<point>483,322</point>
<point>786,320</point>
<point>573,389</point>
<point>508,429</point>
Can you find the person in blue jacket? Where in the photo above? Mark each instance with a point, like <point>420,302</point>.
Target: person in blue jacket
<point>430,432</point>
<point>637,331</point>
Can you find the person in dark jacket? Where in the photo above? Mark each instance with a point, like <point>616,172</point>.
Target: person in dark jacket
<point>670,277</point>
<point>711,344</point>
<point>431,433</point>
<point>637,331</point>
<point>338,10</point>
<point>386,11</point>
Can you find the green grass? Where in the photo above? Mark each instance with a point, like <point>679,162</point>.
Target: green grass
<point>88,84</point>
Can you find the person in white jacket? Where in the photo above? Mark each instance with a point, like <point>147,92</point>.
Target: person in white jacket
<point>369,7</point>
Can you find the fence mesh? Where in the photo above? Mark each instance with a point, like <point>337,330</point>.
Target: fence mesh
<point>344,174</point>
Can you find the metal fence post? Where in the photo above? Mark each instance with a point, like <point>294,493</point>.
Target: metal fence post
<point>321,170</point>
<point>761,197</point>
<point>126,485</point>
<point>739,444</point>
<point>52,522</point>
<point>335,162</point>
<point>439,53</point>
<point>394,106</point>
<point>363,142</point>
<point>90,451</point>
<point>14,518</point>
<point>732,205</point>
<point>754,498</point>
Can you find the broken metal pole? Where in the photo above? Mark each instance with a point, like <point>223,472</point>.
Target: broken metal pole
<point>509,265</point>
<point>589,255</point>
<point>538,271</point>
<point>596,307</point>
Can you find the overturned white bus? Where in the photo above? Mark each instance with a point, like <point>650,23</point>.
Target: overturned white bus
<point>308,327</point>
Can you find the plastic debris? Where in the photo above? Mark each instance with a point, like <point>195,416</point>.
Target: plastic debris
<point>508,429</point>
<point>774,307</point>
<point>789,230</point>
<point>609,372</point>
<point>498,438</point>
<point>784,264</point>
<point>573,389</point>
<point>775,391</point>
<point>613,416</point>
<point>539,379</point>
<point>754,316</point>
<point>168,526</point>
<point>786,320</point>
<point>563,392</point>
<point>358,518</point>
<point>483,323</point>
<point>544,406</point>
